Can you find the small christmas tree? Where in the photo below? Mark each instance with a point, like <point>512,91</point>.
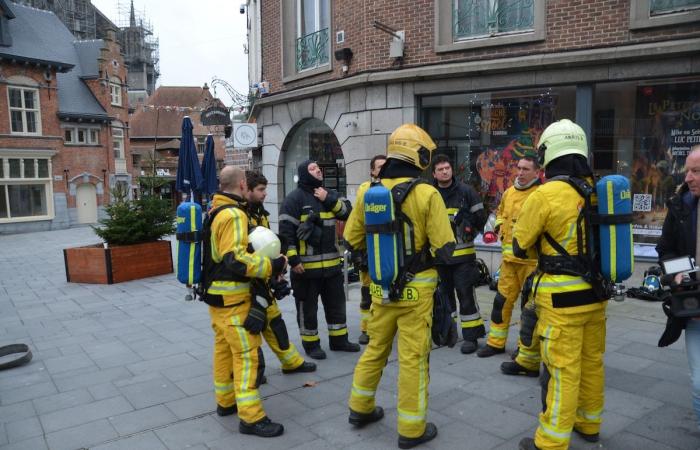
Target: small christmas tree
<point>135,221</point>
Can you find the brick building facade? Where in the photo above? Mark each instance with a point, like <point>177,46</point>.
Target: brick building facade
<point>484,78</point>
<point>63,123</point>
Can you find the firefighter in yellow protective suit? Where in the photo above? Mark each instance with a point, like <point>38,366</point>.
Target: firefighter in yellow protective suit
<point>375,165</point>
<point>236,318</point>
<point>513,273</point>
<point>409,152</point>
<point>571,311</point>
<point>275,332</point>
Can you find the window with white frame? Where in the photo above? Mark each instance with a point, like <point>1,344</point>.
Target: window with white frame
<point>201,143</point>
<point>25,188</point>
<point>81,135</point>
<point>25,117</point>
<point>312,44</point>
<point>118,142</point>
<point>115,91</point>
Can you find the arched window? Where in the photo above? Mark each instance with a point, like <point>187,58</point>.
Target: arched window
<point>313,139</point>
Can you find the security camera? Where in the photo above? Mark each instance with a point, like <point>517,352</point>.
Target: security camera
<point>242,8</point>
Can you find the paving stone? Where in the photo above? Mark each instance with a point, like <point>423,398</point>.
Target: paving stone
<point>63,400</point>
<point>677,394</point>
<point>154,365</point>
<point>669,425</point>
<point>628,381</point>
<point>20,394</point>
<point>82,436</point>
<point>626,440</point>
<point>460,435</point>
<point>35,443</point>
<point>338,433</point>
<point>146,441</point>
<point>152,392</point>
<point>17,411</point>
<point>494,389</point>
<point>321,394</point>
<point>142,419</point>
<point>193,405</point>
<point>183,434</point>
<point>76,415</point>
<point>196,385</point>
<point>68,363</point>
<point>23,429</point>
<point>103,391</point>
<point>502,421</point>
<point>294,435</point>
<point>70,381</point>
<point>629,405</point>
<point>282,406</point>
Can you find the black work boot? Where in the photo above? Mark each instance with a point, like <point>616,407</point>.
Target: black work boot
<point>302,368</point>
<point>363,339</point>
<point>314,350</point>
<point>513,368</point>
<point>468,347</point>
<point>362,419</point>
<point>226,410</point>
<point>263,428</point>
<point>527,444</point>
<point>263,380</point>
<point>595,437</point>
<point>429,434</point>
<point>341,344</point>
<point>487,351</point>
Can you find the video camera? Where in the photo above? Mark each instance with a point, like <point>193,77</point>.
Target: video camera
<point>685,296</point>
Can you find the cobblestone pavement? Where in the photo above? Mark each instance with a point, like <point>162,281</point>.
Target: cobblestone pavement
<point>128,366</point>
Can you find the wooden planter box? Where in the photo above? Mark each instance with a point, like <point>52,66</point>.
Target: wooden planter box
<point>96,264</point>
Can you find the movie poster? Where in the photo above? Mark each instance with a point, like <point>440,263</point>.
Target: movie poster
<point>667,127</point>
<point>504,132</point>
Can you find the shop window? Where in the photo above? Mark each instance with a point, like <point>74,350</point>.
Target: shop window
<point>644,130</point>
<point>314,140</point>
<point>25,189</point>
<point>25,117</point>
<point>657,13</point>
<point>306,38</point>
<point>472,24</point>
<point>485,134</point>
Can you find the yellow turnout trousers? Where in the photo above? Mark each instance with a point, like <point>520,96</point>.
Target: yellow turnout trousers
<point>572,348</point>
<point>237,349</point>
<point>412,320</point>
<point>276,336</point>
<point>510,283</point>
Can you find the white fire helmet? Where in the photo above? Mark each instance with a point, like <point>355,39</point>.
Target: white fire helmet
<point>264,242</point>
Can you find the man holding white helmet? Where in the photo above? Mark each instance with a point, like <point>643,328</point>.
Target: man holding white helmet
<point>236,318</point>
<point>264,240</point>
<point>571,311</point>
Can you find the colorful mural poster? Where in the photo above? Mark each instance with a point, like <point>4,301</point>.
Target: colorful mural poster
<point>667,127</point>
<point>506,131</point>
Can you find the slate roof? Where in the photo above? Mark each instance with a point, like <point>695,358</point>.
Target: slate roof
<point>39,36</point>
<point>34,34</point>
<point>169,119</point>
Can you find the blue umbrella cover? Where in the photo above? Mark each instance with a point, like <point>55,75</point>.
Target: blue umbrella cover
<point>189,174</point>
<point>210,181</point>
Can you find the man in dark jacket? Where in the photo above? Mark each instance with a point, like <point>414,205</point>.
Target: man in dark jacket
<point>307,223</point>
<point>679,238</point>
<point>467,217</point>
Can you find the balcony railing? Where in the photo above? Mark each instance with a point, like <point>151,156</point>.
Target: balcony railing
<point>312,50</point>
<point>479,18</point>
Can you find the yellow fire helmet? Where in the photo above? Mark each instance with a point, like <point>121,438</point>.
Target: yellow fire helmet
<point>560,138</point>
<point>264,242</point>
<point>410,143</point>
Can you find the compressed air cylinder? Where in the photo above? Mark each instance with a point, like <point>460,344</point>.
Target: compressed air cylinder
<point>189,243</point>
<point>615,231</point>
<point>383,245</point>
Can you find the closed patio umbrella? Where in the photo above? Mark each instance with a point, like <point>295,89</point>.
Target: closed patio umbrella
<point>189,173</point>
<point>210,182</point>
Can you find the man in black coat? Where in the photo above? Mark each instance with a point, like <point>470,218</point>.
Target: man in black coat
<point>308,225</point>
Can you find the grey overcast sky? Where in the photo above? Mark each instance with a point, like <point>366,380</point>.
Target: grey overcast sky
<point>198,39</point>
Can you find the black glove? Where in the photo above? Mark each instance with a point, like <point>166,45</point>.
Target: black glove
<point>464,224</point>
<point>306,228</point>
<point>280,288</point>
<point>255,322</point>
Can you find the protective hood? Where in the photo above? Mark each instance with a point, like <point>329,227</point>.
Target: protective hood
<point>396,168</point>
<point>305,178</point>
<point>572,165</point>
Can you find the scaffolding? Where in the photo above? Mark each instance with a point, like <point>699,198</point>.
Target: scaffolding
<point>140,47</point>
<point>79,16</point>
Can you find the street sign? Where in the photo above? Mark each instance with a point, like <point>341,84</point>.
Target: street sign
<point>245,135</point>
<point>215,115</point>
